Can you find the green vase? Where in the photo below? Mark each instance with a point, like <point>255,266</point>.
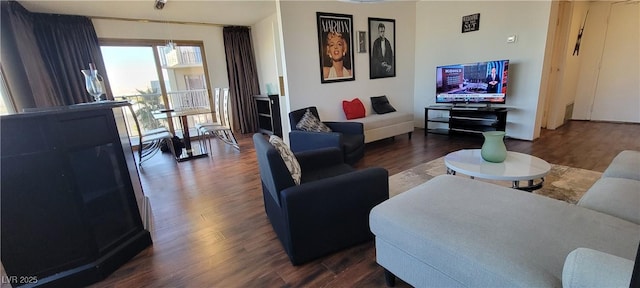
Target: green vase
<point>493,149</point>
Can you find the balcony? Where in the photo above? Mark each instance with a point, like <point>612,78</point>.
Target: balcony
<point>181,56</point>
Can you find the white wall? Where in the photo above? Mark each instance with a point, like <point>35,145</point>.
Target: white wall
<point>439,41</point>
<point>210,35</point>
<point>301,57</point>
<point>264,34</point>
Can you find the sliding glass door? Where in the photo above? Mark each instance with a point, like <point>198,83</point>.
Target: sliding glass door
<point>155,76</point>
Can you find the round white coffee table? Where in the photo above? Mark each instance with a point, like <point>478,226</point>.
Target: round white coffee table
<point>517,167</point>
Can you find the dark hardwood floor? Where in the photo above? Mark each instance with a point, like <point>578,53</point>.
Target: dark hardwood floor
<point>210,229</point>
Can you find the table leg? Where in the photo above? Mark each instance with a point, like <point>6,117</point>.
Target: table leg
<point>187,141</point>
<point>451,171</point>
<point>186,136</point>
<point>531,185</point>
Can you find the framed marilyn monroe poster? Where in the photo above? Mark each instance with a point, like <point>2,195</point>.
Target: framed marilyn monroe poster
<point>335,45</point>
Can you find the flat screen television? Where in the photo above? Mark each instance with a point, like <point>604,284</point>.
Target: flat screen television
<point>480,82</point>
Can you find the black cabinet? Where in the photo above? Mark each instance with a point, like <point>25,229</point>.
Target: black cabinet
<point>268,107</point>
<point>441,123</point>
<point>69,200</point>
<point>466,120</point>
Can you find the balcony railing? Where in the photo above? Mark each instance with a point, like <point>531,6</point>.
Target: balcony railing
<point>182,56</point>
<point>189,98</point>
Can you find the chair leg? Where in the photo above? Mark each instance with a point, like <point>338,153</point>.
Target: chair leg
<point>209,139</point>
<point>148,150</point>
<point>202,135</point>
<point>140,145</point>
<point>227,137</point>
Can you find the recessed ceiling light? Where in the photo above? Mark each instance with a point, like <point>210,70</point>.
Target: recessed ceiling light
<point>160,4</point>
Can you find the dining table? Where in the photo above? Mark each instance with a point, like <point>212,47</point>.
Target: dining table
<point>182,113</point>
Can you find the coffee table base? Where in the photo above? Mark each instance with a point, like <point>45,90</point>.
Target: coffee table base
<point>531,185</point>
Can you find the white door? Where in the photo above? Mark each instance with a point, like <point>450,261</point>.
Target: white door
<point>617,96</point>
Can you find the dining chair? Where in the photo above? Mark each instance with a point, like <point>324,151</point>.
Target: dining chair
<point>151,141</point>
<point>222,128</point>
<point>200,127</point>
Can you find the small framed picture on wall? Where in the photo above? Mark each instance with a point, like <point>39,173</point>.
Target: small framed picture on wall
<point>362,42</point>
<point>382,48</point>
<point>335,45</point>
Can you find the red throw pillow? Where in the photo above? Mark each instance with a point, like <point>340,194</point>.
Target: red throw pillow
<point>353,109</point>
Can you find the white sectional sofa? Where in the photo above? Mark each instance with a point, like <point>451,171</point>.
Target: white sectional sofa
<point>381,126</point>
<point>458,232</point>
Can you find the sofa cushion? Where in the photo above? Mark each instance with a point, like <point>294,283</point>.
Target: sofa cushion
<point>375,121</point>
<point>479,234</point>
<point>381,105</point>
<point>288,158</point>
<point>353,109</point>
<point>618,197</point>
<point>590,268</point>
<point>625,165</point>
<point>310,122</point>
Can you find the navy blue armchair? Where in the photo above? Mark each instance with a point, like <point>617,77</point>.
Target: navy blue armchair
<point>328,211</point>
<point>346,136</point>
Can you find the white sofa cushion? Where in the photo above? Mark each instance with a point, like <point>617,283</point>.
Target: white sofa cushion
<point>375,121</point>
<point>625,165</point>
<point>380,126</point>
<point>618,197</point>
<point>587,268</point>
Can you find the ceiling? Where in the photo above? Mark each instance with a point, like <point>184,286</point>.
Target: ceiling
<point>234,12</point>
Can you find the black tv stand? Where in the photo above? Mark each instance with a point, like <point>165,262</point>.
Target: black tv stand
<point>465,119</point>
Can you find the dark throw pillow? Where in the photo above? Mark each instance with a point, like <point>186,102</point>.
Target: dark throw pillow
<point>353,109</point>
<point>381,105</point>
<point>311,123</point>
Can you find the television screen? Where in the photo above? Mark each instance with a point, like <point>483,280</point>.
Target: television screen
<point>481,82</point>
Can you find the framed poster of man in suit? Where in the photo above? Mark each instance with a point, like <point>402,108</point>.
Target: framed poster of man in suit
<point>382,48</point>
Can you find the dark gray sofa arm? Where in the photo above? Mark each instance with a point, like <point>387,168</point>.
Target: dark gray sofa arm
<point>346,127</point>
<point>304,141</point>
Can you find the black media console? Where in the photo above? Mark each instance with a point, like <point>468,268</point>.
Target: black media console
<point>466,120</point>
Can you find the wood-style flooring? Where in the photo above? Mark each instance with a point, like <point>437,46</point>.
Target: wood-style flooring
<point>210,230</point>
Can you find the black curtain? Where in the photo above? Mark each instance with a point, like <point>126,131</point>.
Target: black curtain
<point>42,55</point>
<point>243,78</point>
